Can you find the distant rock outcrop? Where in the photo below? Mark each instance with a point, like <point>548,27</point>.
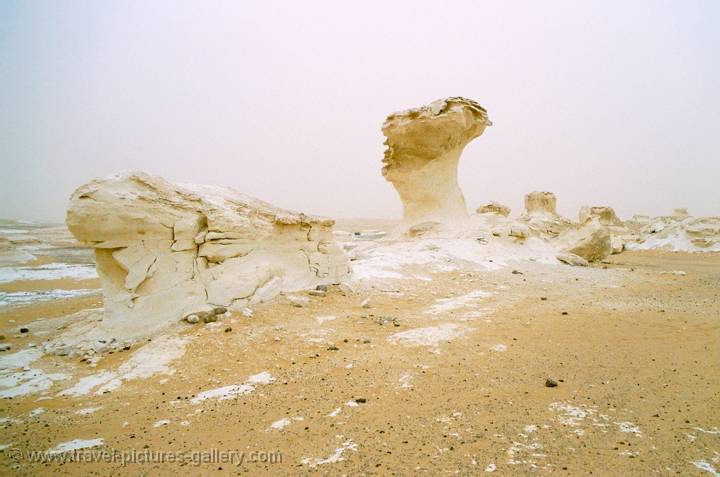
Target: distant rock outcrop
<point>541,215</point>
<point>166,251</point>
<point>677,232</point>
<point>423,149</point>
<point>603,214</point>
<point>541,204</point>
<point>494,208</point>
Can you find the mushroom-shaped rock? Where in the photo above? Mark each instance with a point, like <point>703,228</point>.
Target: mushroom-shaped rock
<point>423,150</point>
<point>604,215</point>
<point>165,251</point>
<point>494,208</point>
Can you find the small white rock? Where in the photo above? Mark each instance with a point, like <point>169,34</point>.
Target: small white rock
<point>298,301</point>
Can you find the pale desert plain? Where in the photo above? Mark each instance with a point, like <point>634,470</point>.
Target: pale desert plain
<point>178,329</point>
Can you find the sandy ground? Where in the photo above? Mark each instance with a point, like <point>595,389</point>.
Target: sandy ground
<point>415,384</point>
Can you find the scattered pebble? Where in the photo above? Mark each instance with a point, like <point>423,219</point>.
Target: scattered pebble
<point>550,383</point>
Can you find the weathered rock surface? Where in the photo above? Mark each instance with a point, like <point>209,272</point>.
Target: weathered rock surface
<point>572,259</point>
<point>541,215</point>
<point>165,251</point>
<point>494,208</point>
<point>541,204</point>
<point>591,243</point>
<point>676,233</point>
<point>603,214</point>
<point>423,150</point>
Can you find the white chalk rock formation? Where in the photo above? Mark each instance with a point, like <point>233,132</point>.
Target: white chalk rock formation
<point>541,215</point>
<point>494,208</point>
<point>541,204</point>
<point>423,150</point>
<point>675,233</point>
<point>592,242</point>
<point>681,213</point>
<point>165,251</point>
<point>603,214</point>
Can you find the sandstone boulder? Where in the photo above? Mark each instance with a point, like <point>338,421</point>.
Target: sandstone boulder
<point>166,251</point>
<point>421,159</point>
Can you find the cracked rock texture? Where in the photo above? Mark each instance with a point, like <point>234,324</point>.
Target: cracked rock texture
<point>165,251</point>
<point>421,159</point>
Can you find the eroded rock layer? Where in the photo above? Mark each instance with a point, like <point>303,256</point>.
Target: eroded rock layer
<point>423,150</point>
<point>165,251</point>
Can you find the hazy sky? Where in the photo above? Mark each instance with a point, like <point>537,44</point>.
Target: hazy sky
<point>604,102</point>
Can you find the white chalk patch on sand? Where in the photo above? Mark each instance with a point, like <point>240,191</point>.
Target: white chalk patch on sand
<point>20,359</point>
<point>323,319</point>
<point>529,429</point>
<point>336,412</point>
<point>28,382</point>
<point>161,422</point>
<point>444,305</point>
<point>260,378</point>
<point>10,420</point>
<point>429,336</point>
<point>76,444</point>
<point>490,468</point>
<point>351,403</point>
<point>234,390</point>
<point>499,348</point>
<point>572,415</point>
<point>336,456</point>
<point>49,271</point>
<point>714,430</point>
<point>406,380</point>
<point>707,467</point>
<point>86,384</point>
<point>87,410</point>
<point>629,427</point>
<point>223,393</point>
<point>283,423</point>
<point>24,298</point>
<point>383,260</point>
<point>153,358</point>
<point>5,446</point>
<point>678,273</point>
<point>279,424</point>
<point>36,412</point>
